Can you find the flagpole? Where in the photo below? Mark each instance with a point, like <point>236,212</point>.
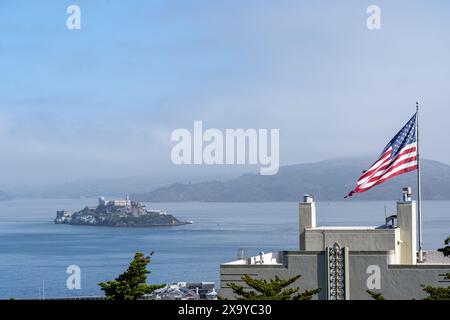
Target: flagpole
<point>419,185</point>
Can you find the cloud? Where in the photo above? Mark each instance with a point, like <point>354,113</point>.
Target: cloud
<point>105,101</point>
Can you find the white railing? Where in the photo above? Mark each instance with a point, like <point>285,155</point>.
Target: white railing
<point>271,258</point>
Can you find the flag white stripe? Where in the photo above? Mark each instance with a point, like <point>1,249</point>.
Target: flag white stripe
<point>381,172</point>
<point>383,159</point>
<point>387,175</point>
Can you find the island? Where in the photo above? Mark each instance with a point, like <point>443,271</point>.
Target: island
<point>118,213</point>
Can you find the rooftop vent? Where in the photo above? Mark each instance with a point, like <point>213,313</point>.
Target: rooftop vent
<point>308,198</point>
<point>241,254</point>
<point>406,191</point>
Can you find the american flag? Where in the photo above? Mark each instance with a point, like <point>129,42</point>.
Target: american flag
<point>398,157</point>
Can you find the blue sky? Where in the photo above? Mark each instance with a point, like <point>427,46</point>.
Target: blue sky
<point>103,100</point>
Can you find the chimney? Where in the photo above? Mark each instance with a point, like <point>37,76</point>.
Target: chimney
<point>406,221</point>
<point>307,213</point>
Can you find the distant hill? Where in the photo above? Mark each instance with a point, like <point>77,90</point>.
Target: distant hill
<point>328,180</point>
<point>116,187</point>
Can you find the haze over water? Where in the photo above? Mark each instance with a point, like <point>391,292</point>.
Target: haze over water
<point>33,248</point>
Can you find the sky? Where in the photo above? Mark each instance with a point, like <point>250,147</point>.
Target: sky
<point>103,101</point>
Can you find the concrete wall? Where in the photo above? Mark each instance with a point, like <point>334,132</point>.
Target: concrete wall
<point>396,281</point>
<point>363,239</point>
<point>310,265</point>
<point>406,220</point>
<point>307,219</point>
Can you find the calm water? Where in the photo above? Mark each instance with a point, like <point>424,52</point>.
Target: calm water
<point>33,249</point>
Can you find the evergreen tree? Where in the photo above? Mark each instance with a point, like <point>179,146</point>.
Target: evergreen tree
<point>375,295</point>
<point>440,293</point>
<point>446,250</point>
<point>274,289</point>
<point>132,284</point>
<point>437,293</point>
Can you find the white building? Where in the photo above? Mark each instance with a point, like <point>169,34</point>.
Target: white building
<point>345,262</point>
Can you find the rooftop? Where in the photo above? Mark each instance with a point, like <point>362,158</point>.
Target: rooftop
<point>272,258</point>
<point>435,257</point>
<point>345,228</point>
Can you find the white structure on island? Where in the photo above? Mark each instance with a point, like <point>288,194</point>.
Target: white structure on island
<point>101,201</point>
<point>345,262</point>
<point>117,203</point>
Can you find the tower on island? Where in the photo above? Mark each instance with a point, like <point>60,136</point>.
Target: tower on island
<point>101,201</point>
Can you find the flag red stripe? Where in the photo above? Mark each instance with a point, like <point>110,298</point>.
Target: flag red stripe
<point>383,166</point>
<point>358,190</point>
<point>404,161</point>
<point>385,157</point>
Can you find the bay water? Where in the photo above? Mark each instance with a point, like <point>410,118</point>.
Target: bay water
<point>35,252</point>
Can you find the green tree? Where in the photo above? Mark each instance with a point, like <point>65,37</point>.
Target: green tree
<point>440,293</point>
<point>375,295</point>
<point>132,284</point>
<point>274,289</point>
<point>446,250</point>
<point>437,293</point>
